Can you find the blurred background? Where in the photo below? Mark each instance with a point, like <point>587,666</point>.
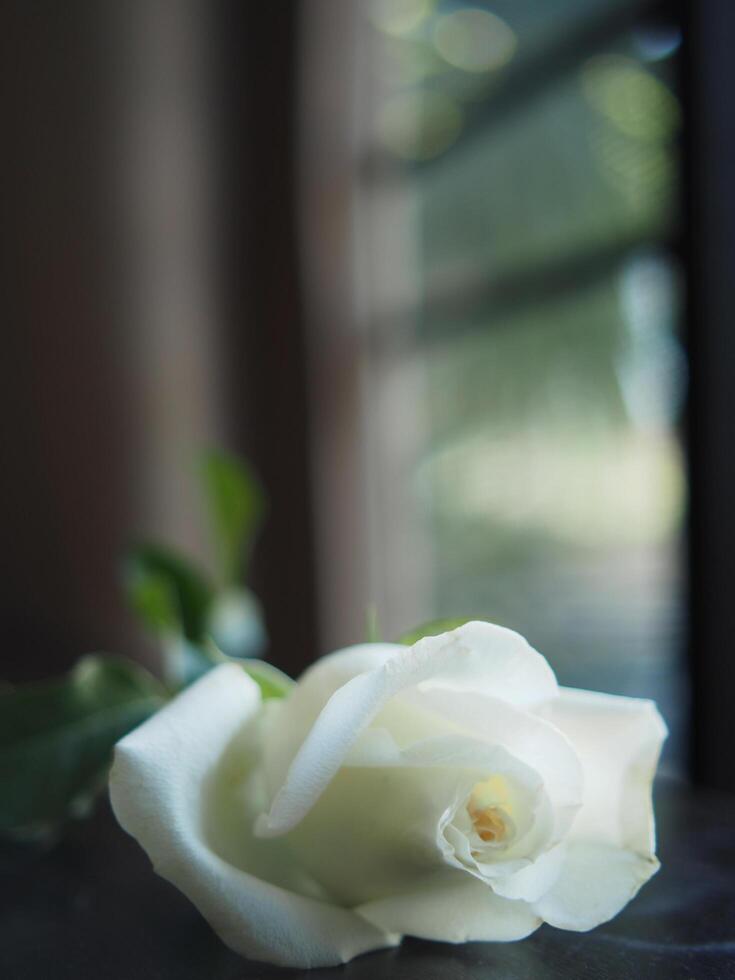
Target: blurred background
<point>453,276</point>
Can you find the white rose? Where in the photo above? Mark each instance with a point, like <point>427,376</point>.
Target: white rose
<point>450,791</point>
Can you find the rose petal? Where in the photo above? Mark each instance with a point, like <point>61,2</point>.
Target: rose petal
<point>476,657</point>
<point>611,843</point>
<point>157,787</point>
<point>489,659</point>
<point>378,827</point>
<point>528,737</point>
<point>535,880</point>
<point>290,719</point>
<point>455,908</point>
<point>618,741</point>
<point>595,883</point>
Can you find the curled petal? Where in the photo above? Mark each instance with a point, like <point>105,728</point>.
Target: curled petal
<point>159,782</point>
<point>476,657</point>
<point>488,659</point>
<point>290,719</point>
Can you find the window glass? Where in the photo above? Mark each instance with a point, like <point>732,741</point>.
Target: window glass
<point>551,478</point>
<point>527,153</point>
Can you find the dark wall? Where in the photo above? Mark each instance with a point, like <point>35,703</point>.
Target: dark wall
<point>65,437</point>
<point>268,370</point>
<point>77,451</point>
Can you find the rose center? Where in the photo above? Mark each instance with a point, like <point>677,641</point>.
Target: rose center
<point>488,822</point>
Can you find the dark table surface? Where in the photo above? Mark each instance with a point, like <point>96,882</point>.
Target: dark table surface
<point>93,908</point>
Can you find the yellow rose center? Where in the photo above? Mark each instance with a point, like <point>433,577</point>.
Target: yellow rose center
<point>488,822</point>
<point>489,808</point>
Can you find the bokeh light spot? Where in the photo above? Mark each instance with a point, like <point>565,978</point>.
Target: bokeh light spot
<point>419,125</point>
<point>474,40</point>
<point>399,17</point>
<point>631,98</point>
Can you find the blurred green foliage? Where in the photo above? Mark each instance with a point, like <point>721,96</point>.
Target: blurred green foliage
<point>56,737</point>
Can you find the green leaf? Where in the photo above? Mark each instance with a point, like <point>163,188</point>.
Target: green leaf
<point>187,662</point>
<point>56,739</point>
<point>167,592</point>
<point>153,598</point>
<point>273,682</point>
<point>433,628</point>
<point>236,504</point>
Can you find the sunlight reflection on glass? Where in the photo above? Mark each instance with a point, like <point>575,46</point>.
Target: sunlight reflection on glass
<point>474,40</point>
<point>634,100</point>
<point>410,61</point>
<point>418,125</point>
<point>656,42</point>
<point>651,367</point>
<point>639,118</point>
<point>399,17</point>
